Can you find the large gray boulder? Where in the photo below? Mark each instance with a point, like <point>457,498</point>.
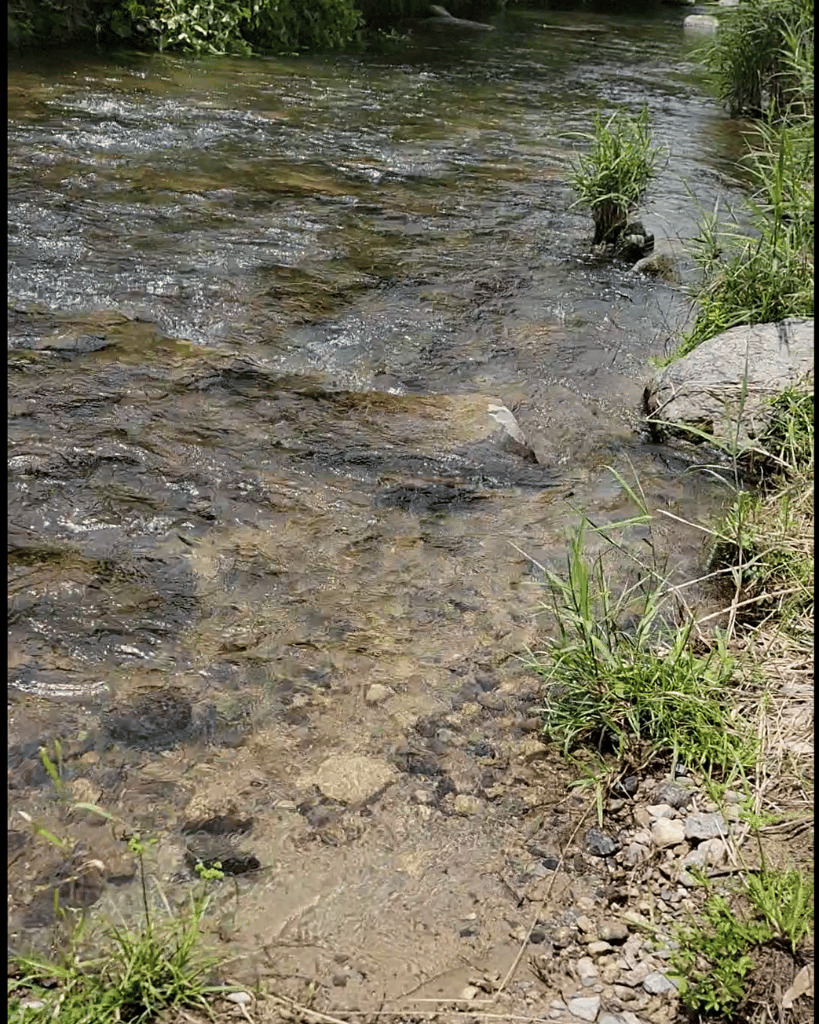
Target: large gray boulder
<point>724,386</point>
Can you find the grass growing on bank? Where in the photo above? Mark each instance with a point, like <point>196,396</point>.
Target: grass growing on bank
<point>765,541</point>
<point>715,958</point>
<point>623,679</point>
<point>768,275</point>
<point>763,65</point>
<point>155,967</point>
<point>762,55</point>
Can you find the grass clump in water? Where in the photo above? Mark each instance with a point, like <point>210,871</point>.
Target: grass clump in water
<point>613,176</point>
<point>623,679</point>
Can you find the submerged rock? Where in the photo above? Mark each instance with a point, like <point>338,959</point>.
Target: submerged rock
<point>633,242</point>
<point>660,265</point>
<point>724,387</point>
<point>353,779</point>
<point>700,24</point>
<point>441,16</point>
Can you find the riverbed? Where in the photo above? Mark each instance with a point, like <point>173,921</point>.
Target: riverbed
<point>263,530</point>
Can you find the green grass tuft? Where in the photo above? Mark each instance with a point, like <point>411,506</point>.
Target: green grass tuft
<point>623,679</point>
<point>613,176</point>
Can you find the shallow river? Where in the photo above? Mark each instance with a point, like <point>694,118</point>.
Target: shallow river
<point>258,311</point>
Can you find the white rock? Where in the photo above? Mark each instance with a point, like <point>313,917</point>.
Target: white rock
<point>585,1007</point>
<point>661,810</point>
<point>725,385</point>
<point>240,998</point>
<point>701,25</point>
<point>667,832</point>
<point>470,992</point>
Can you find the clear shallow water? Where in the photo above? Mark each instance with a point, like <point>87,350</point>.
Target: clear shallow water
<point>258,310</point>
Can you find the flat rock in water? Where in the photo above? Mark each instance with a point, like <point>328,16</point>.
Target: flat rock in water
<point>353,779</point>
<point>725,385</point>
<point>700,24</point>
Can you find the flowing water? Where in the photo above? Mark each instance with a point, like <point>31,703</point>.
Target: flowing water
<point>259,310</point>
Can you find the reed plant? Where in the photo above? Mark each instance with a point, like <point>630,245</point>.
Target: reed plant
<point>612,177</point>
<point>761,59</point>
<point>766,274</point>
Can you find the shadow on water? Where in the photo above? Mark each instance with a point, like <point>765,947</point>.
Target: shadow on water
<point>260,516</point>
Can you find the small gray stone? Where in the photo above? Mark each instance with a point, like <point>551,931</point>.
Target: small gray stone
<point>705,826</point>
<point>562,937</point>
<point>634,854</point>
<point>597,948</point>
<point>586,968</point>
<point>695,858</point>
<point>585,1007</point>
<point>466,805</point>
<point>586,925</point>
<point>613,931</point>
<point>377,693</point>
<point>470,992</point>
<point>600,843</point>
<point>657,983</point>
<point>660,810</point>
<point>667,832</point>
<point>611,1018</point>
<point>715,851</point>
<point>636,976</point>
<point>672,793</point>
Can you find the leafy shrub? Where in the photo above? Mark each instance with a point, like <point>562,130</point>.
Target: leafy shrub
<point>193,26</point>
<point>713,959</point>
<point>612,178</point>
